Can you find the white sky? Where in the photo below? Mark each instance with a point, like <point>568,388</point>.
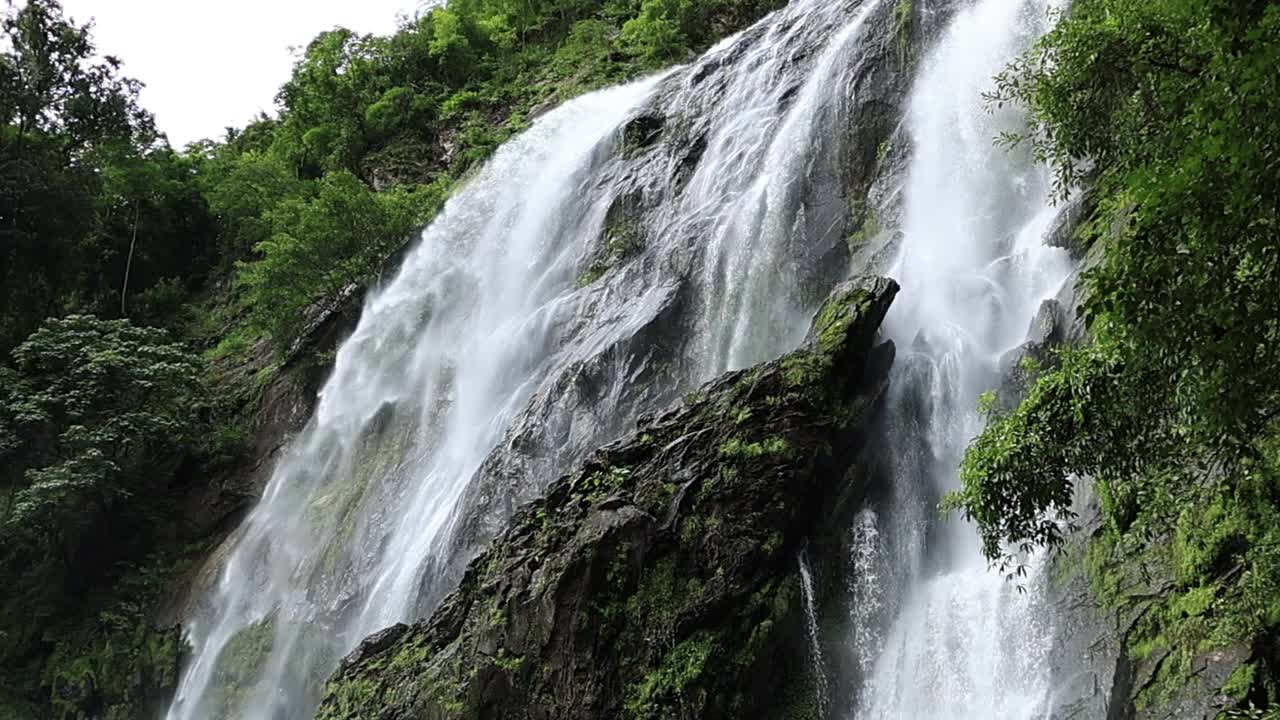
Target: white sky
<point>210,64</point>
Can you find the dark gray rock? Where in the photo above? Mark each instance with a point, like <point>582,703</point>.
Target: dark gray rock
<point>662,577</point>
<point>1019,367</point>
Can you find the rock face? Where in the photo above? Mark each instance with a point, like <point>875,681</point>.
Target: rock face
<point>1097,676</point>
<point>650,255</point>
<point>661,579</point>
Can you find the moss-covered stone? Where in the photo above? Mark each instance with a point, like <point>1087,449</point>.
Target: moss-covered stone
<point>237,667</point>
<point>659,580</point>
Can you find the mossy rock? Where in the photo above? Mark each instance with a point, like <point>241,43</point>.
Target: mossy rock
<point>661,579</point>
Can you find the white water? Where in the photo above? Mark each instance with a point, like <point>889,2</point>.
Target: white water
<point>485,326</point>
<point>818,663</point>
<point>450,349</point>
<point>962,642</point>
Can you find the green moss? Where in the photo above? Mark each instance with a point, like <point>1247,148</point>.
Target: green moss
<point>237,668</point>
<point>352,697</point>
<point>804,370</point>
<point>497,617</point>
<point>337,508</point>
<point>867,230</point>
<point>761,637</point>
<point>691,529</point>
<point>882,151</point>
<point>1241,681</point>
<point>1195,602</point>
<point>114,646</point>
<point>412,652</point>
<point>236,344</point>
<point>594,272</point>
<point>602,482</point>
<point>737,448</point>
<point>903,14</point>
<point>623,238</point>
<point>510,663</point>
<point>669,684</point>
<point>654,605</point>
<point>1202,613</point>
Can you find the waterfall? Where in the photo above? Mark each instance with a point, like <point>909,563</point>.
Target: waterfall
<point>961,641</point>
<point>817,662</point>
<point>494,360</point>
<point>867,584</point>
<point>441,360</point>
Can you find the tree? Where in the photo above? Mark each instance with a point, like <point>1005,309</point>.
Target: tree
<point>323,243</point>
<point>1170,111</point>
<point>657,32</point>
<point>93,412</point>
<point>84,178</point>
<point>1174,106</point>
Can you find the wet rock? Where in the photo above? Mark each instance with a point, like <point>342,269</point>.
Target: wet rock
<point>1048,327</point>
<point>1064,232</point>
<point>1088,668</point>
<point>642,131</point>
<point>661,578</point>
<point>1019,367</point>
<point>1094,675</point>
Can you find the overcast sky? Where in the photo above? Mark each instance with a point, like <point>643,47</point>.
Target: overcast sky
<point>209,64</point>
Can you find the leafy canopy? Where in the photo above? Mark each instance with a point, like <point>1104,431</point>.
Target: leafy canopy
<point>91,413</point>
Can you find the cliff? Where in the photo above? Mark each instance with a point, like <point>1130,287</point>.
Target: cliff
<point>663,577</point>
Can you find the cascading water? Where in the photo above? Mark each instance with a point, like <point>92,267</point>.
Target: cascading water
<point>441,361</point>
<point>816,660</point>
<point>490,355</point>
<point>961,641</point>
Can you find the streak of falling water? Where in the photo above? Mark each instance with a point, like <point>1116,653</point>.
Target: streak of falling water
<point>866,570</point>
<point>816,659</point>
<point>963,642</point>
<point>485,318</point>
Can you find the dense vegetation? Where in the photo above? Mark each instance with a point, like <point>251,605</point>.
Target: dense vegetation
<point>1169,111</point>
<point>147,294</point>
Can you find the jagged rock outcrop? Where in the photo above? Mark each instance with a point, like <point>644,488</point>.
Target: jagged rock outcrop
<point>842,204</point>
<point>662,578</point>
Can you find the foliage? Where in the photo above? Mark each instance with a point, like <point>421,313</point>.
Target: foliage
<point>656,33</point>
<point>240,187</point>
<point>87,187</point>
<point>89,413</point>
<point>111,656</point>
<point>1169,109</point>
<point>322,244</point>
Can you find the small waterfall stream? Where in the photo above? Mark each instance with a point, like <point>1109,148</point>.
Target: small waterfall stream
<point>812,626</point>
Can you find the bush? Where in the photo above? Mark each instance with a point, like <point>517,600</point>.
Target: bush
<point>324,244</point>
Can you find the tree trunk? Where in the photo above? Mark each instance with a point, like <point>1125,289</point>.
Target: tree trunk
<point>128,265</point>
